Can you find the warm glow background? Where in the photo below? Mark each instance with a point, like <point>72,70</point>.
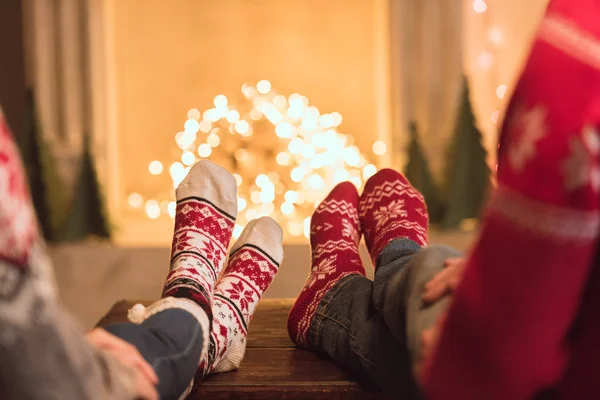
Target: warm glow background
<point>166,57</point>
<point>171,56</point>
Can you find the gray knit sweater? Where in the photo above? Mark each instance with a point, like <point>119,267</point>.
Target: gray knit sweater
<point>43,353</point>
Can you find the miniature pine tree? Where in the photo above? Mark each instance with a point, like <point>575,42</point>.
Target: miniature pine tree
<point>47,190</point>
<point>417,171</point>
<point>467,172</point>
<point>87,216</point>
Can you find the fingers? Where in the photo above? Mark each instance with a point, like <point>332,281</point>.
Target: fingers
<point>123,351</point>
<point>437,286</point>
<point>445,281</point>
<point>145,388</point>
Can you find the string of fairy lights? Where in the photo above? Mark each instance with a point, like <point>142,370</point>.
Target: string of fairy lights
<point>284,153</point>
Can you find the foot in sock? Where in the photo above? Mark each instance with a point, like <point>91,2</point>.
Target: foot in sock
<point>334,238</point>
<point>391,208</point>
<point>253,263</point>
<point>204,221</point>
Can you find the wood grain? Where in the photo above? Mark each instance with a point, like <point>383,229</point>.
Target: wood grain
<point>273,368</point>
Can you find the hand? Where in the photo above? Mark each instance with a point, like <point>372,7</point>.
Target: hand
<point>145,377</point>
<point>446,281</point>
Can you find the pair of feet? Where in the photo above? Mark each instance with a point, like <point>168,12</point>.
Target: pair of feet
<point>221,292</point>
<point>388,209</point>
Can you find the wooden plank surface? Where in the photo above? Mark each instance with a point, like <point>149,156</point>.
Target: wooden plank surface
<point>272,367</point>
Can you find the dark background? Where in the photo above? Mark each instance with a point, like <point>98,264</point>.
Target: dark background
<point>12,65</point>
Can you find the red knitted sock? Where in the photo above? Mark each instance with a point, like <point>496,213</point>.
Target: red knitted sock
<point>334,238</point>
<point>206,211</point>
<point>390,208</point>
<point>253,263</point>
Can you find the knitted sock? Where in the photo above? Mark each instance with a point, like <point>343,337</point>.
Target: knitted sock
<point>206,211</point>
<point>253,263</point>
<point>390,208</point>
<point>334,238</point>
<point>204,221</point>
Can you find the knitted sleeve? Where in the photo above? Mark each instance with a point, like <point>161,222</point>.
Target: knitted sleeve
<point>43,354</point>
<point>505,335</point>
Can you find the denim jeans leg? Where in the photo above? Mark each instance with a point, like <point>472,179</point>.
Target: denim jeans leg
<point>349,330</point>
<point>398,287</point>
<point>171,341</point>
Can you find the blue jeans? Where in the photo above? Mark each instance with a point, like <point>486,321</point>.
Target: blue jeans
<point>373,328</point>
<point>171,341</point>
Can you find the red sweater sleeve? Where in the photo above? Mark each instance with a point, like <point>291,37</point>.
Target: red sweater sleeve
<point>504,337</point>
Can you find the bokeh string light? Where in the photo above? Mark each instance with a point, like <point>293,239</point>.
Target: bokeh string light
<point>284,153</point>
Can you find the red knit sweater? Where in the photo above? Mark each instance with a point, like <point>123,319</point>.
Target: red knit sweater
<point>517,325</point>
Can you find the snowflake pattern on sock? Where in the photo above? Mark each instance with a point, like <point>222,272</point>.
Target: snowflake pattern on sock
<point>391,208</point>
<point>334,238</point>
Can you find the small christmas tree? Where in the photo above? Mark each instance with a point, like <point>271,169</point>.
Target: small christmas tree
<point>418,173</point>
<point>47,190</point>
<point>87,216</point>
<point>467,172</point>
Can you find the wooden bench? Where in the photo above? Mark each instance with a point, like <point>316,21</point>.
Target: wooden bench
<point>273,368</point>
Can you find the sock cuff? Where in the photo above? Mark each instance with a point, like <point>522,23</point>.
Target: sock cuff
<point>138,314</point>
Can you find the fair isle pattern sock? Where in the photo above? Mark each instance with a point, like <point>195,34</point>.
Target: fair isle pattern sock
<point>390,208</point>
<point>334,238</point>
<point>204,221</point>
<point>253,263</point>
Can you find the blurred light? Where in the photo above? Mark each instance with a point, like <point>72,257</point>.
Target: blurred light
<point>191,125</point>
<point>496,36</point>
<point>283,158</point>
<point>336,118</point>
<point>155,167</point>
<point>306,224</point>
<point>379,148</point>
<point>237,231</point>
<point>494,117</point>
<point>263,86</point>
<point>255,197</point>
<point>205,126</point>
<point>152,209</point>
<point>171,209</point>
<point>194,113</point>
<point>262,180</point>
<point>251,214</point>
<point>204,150</point>
<point>290,196</point>
<point>255,114</point>
<point>501,91</point>
<point>356,181</point>
<point>135,200</point>
<point>284,130</point>
<point>267,209</point>
<point>368,171</point>
<point>295,146</point>
<point>295,228</point>
<point>486,60</point>
<point>479,6</point>
<point>241,155</point>
<point>213,140</point>
<point>267,197</point>
<point>242,203</point>
<point>176,169</point>
<point>287,208</point>
<point>233,116</point>
<point>188,158</point>
<point>238,179</point>
<point>279,101</point>
<point>315,181</point>
<point>242,127</point>
<point>341,176</point>
<point>220,101</point>
<point>297,174</point>
<point>351,156</point>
